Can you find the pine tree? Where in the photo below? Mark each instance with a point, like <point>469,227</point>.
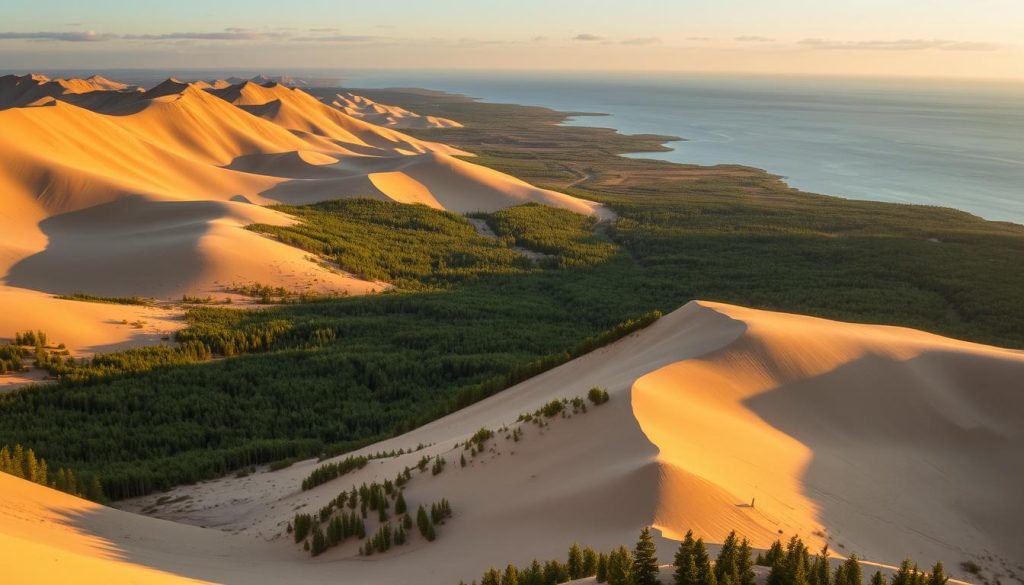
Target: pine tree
<point>840,577</point>
<point>645,560</point>
<point>683,560</point>
<point>589,562</point>
<point>533,575</point>
<point>701,559</point>
<point>510,576</point>
<point>400,505</point>
<point>574,562</point>
<point>745,563</point>
<point>774,554</point>
<point>904,575</point>
<point>820,568</point>
<point>938,575</point>
<point>555,572</point>
<point>319,543</point>
<point>601,571</point>
<point>726,564</point>
<point>620,564</point>
<point>853,572</point>
<point>491,577</point>
<point>879,579</point>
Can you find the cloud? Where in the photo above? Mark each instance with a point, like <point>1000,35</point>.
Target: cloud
<point>226,35</point>
<point>71,37</point>
<point>754,39</point>
<point>899,45</point>
<point>588,37</point>
<point>540,39</point>
<point>338,39</point>
<point>698,38</point>
<point>642,41</point>
<point>324,30</point>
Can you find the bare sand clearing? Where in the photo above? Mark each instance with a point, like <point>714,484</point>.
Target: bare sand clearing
<point>110,190</point>
<point>890,441</point>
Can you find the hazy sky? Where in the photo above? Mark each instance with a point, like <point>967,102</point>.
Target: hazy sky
<point>937,38</point>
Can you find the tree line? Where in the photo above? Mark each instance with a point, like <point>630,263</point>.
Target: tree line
<point>24,463</point>
<point>791,564</point>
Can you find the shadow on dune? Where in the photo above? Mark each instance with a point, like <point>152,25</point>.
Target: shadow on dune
<point>918,457</point>
<point>127,247</point>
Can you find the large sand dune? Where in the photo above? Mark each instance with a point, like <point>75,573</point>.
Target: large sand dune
<point>108,189</point>
<point>887,441</point>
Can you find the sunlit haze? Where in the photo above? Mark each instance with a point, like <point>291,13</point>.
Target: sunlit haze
<point>930,38</point>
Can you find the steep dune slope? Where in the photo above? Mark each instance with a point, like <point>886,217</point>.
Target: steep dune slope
<point>893,441</point>
<point>73,145</point>
<point>40,541</point>
<point>889,441</point>
<point>298,111</point>
<point>370,111</point>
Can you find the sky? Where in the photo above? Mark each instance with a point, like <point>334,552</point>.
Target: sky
<point>927,38</point>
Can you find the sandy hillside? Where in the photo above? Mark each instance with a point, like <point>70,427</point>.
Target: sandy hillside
<point>108,189</point>
<point>890,441</point>
<point>366,109</point>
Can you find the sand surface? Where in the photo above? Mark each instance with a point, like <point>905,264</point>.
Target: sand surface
<point>366,109</point>
<point>112,190</point>
<point>887,441</point>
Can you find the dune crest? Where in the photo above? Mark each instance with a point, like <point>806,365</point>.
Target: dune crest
<point>75,145</point>
<point>712,406</point>
<point>891,441</point>
<point>370,111</point>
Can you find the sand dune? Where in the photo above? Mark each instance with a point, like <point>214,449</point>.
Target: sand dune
<point>889,441</point>
<point>296,110</point>
<point>370,111</point>
<point>21,90</point>
<point>79,153</point>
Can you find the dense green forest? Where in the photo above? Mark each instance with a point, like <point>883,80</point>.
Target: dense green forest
<point>471,316</point>
<point>323,376</point>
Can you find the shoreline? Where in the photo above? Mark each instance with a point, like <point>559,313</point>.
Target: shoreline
<point>572,120</point>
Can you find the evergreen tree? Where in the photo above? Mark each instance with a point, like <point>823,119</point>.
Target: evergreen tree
<point>938,575</point>
<point>422,520</point>
<point>400,505</point>
<point>905,574</point>
<point>726,564</point>
<point>620,564</point>
<point>601,571</point>
<point>820,574</point>
<point>574,562</point>
<point>879,579</point>
<point>510,576</point>
<point>319,543</point>
<point>745,563</point>
<point>491,577</point>
<point>645,560</point>
<point>683,560</point>
<point>555,572</point>
<point>702,561</point>
<point>533,575</point>
<point>589,562</point>
<point>774,554</point>
<point>852,572</point>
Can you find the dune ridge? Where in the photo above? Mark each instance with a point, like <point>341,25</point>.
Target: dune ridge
<point>207,154</point>
<point>710,406</point>
<point>373,112</point>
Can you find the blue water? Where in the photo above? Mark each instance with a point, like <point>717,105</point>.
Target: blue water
<point>954,144</point>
